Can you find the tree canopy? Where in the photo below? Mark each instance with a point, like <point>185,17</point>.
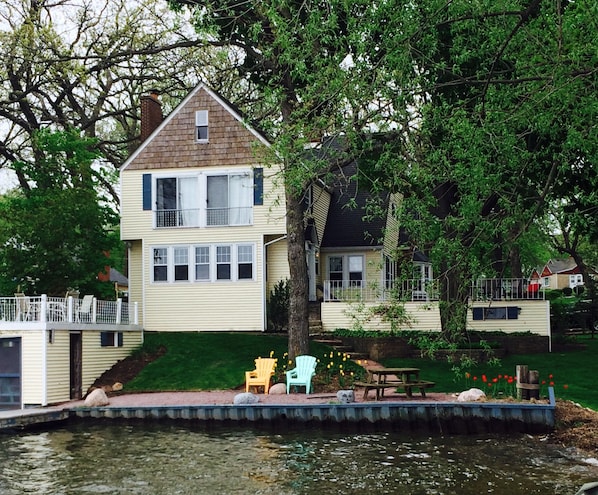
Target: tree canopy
<point>59,233</point>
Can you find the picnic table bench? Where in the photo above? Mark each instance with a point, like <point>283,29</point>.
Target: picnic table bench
<point>405,379</point>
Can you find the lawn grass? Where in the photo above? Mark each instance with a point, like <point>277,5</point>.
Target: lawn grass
<point>573,373</point>
<point>210,361</point>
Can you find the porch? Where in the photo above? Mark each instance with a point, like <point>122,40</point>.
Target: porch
<point>420,290</point>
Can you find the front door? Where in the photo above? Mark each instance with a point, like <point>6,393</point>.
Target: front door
<point>76,380</point>
<point>10,373</point>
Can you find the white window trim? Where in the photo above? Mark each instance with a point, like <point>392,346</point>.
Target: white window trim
<point>202,120</point>
<point>234,262</point>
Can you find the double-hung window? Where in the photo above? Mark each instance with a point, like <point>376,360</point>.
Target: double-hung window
<point>201,126</point>
<point>245,261</point>
<point>160,264</point>
<point>229,199</point>
<point>177,201</point>
<point>202,263</point>
<point>181,263</point>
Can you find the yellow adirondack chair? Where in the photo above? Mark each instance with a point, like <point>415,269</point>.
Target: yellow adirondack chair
<point>302,373</point>
<point>261,376</point>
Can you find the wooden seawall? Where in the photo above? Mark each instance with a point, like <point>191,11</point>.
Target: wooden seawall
<point>434,417</point>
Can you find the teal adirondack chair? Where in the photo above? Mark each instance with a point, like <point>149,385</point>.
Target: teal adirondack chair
<point>302,373</point>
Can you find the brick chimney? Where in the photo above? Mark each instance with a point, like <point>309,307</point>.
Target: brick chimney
<point>151,113</point>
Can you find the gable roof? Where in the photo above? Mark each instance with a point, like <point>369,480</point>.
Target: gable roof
<point>565,266</point>
<point>215,96</point>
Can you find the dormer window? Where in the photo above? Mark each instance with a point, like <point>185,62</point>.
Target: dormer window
<point>201,126</point>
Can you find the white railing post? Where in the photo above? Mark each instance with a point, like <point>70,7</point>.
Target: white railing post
<point>94,310</point>
<point>119,306</point>
<point>43,308</point>
<point>69,309</point>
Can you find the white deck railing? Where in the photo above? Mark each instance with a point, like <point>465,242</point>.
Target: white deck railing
<point>504,289</point>
<point>368,291</point>
<point>47,309</point>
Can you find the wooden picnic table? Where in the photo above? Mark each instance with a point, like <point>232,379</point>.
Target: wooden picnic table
<point>406,379</point>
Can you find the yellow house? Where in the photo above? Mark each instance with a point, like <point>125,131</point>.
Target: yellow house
<point>204,220</point>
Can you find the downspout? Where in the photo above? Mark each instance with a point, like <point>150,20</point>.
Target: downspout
<point>264,264</point>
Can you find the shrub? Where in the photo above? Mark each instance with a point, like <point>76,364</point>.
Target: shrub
<point>278,306</point>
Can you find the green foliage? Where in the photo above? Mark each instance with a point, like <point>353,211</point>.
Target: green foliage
<point>278,306</point>
<point>57,233</point>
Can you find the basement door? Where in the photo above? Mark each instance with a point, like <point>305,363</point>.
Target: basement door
<point>10,373</point>
<point>76,355</point>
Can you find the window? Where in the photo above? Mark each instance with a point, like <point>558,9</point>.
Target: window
<point>111,339</point>
<point>201,126</point>
<point>335,264</point>
<point>355,270</point>
<point>245,262</point>
<point>177,202</point>
<point>202,263</point>
<point>496,313</point>
<point>346,268</point>
<point>181,263</point>
<point>223,262</point>
<point>160,264</point>
<point>229,199</point>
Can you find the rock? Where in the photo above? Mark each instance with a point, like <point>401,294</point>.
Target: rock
<point>278,389</point>
<point>245,398</point>
<point>97,398</point>
<point>345,396</point>
<point>117,386</point>
<point>471,395</point>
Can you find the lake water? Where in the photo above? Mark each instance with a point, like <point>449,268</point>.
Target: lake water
<point>165,459</point>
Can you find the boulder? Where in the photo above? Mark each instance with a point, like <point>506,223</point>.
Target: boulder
<point>345,396</point>
<point>117,386</point>
<point>471,395</point>
<point>96,398</point>
<point>245,398</point>
<point>278,389</point>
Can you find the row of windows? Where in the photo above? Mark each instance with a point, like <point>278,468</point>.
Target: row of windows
<point>218,198</point>
<point>203,263</point>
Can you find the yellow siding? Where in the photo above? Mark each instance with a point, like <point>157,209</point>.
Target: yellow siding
<point>97,359</point>
<point>136,277</point>
<point>32,374</point>
<point>425,317</point>
<point>534,317</point>
<point>391,233</point>
<point>58,368</point>
<point>321,200</point>
<point>278,264</point>
<point>204,307</point>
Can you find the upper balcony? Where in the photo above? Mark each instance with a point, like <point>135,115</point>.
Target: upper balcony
<point>35,312</point>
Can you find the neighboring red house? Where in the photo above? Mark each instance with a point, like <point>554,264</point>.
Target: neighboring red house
<point>558,274</point>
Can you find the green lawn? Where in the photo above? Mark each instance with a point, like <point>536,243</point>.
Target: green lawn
<point>209,361</point>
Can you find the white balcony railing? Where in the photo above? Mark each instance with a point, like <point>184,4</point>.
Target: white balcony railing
<point>241,215</point>
<point>504,289</point>
<point>367,291</point>
<point>46,309</point>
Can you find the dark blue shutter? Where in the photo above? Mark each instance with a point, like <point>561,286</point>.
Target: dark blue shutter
<point>512,312</point>
<point>258,186</point>
<point>120,339</point>
<point>104,342</point>
<point>478,313</point>
<point>147,191</point>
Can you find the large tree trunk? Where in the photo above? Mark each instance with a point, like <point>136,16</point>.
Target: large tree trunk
<point>298,304</point>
